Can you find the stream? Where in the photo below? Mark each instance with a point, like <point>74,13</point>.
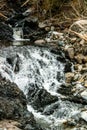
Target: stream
<point>39,74</point>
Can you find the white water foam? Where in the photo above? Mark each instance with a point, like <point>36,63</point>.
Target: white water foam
<point>38,66</point>
<point>18,36</point>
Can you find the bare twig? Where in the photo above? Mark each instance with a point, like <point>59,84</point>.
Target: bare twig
<point>82,36</point>
<point>2,15</point>
<point>73,7</point>
<point>25,3</point>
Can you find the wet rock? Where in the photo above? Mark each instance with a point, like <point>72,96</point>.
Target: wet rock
<point>62,59</point>
<point>65,90</point>
<point>28,122</point>
<point>6,32</point>
<point>73,93</point>
<point>68,67</point>
<point>60,56</point>
<point>12,100</point>
<point>57,51</point>
<point>14,61</point>
<point>39,97</point>
<point>13,105</point>
<point>50,109</point>
<point>29,127</point>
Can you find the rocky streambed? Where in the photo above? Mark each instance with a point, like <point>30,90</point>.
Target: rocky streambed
<point>52,77</point>
<point>43,84</point>
<point>55,98</point>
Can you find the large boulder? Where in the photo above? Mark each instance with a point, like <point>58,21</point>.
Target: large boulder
<point>39,97</point>
<point>13,106</point>
<point>12,100</point>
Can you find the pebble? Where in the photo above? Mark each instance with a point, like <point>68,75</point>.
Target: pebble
<point>41,41</point>
<point>70,52</point>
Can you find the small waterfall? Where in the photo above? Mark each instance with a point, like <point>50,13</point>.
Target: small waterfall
<point>33,66</point>
<point>37,66</point>
<point>18,36</point>
<point>18,33</point>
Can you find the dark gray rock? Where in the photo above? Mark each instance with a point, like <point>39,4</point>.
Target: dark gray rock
<point>13,105</point>
<point>28,122</point>
<point>14,61</point>
<point>71,96</point>
<point>6,32</point>
<point>12,100</point>
<point>68,66</point>
<point>39,97</point>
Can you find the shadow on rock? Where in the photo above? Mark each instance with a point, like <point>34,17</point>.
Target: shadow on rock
<point>39,97</point>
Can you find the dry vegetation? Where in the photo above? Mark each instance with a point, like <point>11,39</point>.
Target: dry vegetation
<point>47,8</point>
<point>63,13</point>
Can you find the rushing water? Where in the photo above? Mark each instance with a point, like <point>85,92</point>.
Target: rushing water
<point>18,36</point>
<point>33,65</point>
<point>30,66</point>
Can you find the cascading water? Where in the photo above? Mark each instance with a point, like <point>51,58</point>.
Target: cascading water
<point>39,74</point>
<point>38,66</point>
<point>18,36</point>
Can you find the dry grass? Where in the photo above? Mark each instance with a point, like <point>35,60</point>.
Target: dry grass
<point>5,10</point>
<point>25,3</point>
<point>79,28</point>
